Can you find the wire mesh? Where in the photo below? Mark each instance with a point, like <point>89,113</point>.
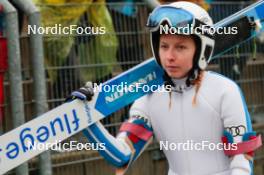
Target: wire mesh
<point>73,59</point>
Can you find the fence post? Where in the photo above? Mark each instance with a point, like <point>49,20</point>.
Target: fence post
<point>14,72</point>
<point>39,83</point>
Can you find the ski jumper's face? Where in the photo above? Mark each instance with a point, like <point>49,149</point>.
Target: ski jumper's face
<point>176,54</point>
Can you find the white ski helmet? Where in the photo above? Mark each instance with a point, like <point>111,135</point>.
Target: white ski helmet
<point>184,15</point>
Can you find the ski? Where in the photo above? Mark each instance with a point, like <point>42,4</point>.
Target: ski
<point>249,23</point>
<point>58,124</point>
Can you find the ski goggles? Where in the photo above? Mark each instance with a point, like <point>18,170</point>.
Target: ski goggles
<point>182,21</point>
<point>174,16</point>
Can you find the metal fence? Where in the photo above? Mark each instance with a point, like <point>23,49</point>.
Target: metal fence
<point>71,60</point>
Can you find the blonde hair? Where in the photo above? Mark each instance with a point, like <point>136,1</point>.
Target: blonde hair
<point>197,83</point>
